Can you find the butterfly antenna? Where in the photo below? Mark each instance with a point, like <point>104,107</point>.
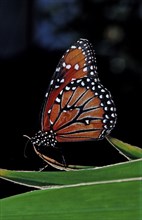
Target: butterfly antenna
<point>26,144</point>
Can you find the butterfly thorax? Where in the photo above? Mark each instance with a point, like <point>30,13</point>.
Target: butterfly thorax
<point>44,138</point>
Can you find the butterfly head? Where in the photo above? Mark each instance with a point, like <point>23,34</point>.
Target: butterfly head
<point>44,138</point>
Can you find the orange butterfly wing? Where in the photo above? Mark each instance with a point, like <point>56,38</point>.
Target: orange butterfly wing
<point>77,106</point>
<point>80,114</point>
<point>74,64</point>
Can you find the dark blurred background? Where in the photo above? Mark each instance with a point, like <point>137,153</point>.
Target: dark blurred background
<point>33,36</point>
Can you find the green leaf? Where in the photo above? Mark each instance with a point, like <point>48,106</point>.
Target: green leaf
<point>111,192</point>
<point>129,151</point>
<point>118,199</point>
<point>44,179</point>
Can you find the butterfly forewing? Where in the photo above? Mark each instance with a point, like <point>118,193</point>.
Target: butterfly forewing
<point>77,106</point>
<point>77,62</point>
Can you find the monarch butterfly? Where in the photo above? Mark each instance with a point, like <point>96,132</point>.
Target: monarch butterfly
<point>77,106</point>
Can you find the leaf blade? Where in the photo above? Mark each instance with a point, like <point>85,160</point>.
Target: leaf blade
<point>130,169</point>
<point>127,150</point>
<point>119,200</point>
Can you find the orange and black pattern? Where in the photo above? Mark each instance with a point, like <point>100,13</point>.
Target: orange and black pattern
<point>77,106</point>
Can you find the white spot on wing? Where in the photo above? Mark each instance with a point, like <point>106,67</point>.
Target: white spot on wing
<point>51,82</point>
<point>107,96</point>
<point>67,88</point>
<point>87,122</point>
<point>51,122</point>
<point>84,69</point>
<point>82,83</point>
<point>49,111</point>
<point>88,80</point>
<point>68,66</point>
<point>73,47</point>
<point>79,80</point>
<point>58,100</point>
<point>92,73</point>
<point>93,88</point>
<point>57,86</point>
<point>108,102</point>
<point>46,94</point>
<point>62,80</point>
<point>61,92</point>
<point>76,67</point>
<point>102,90</point>
<point>58,69</point>
<point>74,88</point>
<point>64,64</point>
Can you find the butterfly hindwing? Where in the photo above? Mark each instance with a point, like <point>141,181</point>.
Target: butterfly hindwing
<point>83,110</point>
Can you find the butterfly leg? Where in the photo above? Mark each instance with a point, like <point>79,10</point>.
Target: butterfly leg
<point>63,157</point>
<point>43,168</point>
<point>63,160</point>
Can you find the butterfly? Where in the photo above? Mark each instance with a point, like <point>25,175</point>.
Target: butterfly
<point>77,106</point>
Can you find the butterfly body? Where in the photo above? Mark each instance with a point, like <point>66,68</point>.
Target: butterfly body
<point>77,106</point>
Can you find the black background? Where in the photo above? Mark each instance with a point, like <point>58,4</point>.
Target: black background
<point>114,29</point>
